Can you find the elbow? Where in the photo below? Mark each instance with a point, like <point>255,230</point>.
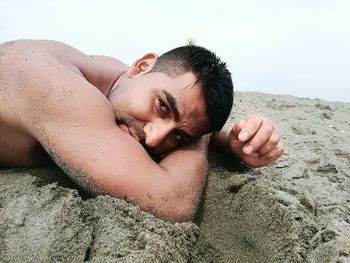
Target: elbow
<point>176,212</point>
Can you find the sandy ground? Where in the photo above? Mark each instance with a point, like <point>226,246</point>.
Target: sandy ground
<point>297,210</point>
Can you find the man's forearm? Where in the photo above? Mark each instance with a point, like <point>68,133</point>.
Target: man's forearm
<point>187,167</point>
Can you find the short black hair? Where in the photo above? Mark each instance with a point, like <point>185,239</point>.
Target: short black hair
<point>211,72</point>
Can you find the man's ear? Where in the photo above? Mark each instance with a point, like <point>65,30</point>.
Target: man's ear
<point>142,65</point>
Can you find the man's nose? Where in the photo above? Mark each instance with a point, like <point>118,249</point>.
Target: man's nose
<point>156,131</point>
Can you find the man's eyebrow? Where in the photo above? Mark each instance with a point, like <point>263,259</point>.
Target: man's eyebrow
<point>172,103</point>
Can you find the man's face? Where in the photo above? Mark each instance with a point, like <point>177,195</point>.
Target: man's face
<point>160,112</point>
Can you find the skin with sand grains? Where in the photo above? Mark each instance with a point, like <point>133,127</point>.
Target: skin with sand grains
<point>102,121</point>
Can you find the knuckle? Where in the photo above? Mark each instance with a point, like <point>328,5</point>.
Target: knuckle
<point>280,145</point>
<point>277,154</point>
<point>268,128</point>
<point>281,152</point>
<point>239,125</point>
<point>257,143</point>
<point>267,149</point>
<point>255,117</point>
<point>274,139</point>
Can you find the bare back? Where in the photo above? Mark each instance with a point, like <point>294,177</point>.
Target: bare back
<point>22,88</point>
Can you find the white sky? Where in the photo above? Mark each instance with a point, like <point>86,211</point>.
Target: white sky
<point>297,47</point>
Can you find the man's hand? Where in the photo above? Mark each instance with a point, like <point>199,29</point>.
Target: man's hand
<point>256,141</point>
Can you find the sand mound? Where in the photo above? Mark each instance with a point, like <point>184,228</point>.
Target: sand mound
<point>295,211</point>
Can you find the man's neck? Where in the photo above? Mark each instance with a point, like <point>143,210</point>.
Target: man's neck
<point>105,73</point>
<point>117,82</point>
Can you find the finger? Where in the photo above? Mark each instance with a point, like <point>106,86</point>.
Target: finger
<point>260,138</point>
<point>270,144</point>
<point>251,126</point>
<point>237,127</point>
<point>276,153</point>
<point>236,145</point>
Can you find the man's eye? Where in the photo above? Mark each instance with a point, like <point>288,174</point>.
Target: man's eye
<point>178,137</point>
<point>162,105</point>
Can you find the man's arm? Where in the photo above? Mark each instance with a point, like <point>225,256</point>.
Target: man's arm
<point>264,139</point>
<point>254,139</point>
<point>75,124</point>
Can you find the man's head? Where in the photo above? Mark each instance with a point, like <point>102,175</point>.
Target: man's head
<point>211,74</point>
<point>167,101</point>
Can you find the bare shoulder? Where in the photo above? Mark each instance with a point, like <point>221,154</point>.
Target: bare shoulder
<point>93,68</point>
<point>44,81</point>
<point>22,57</point>
<point>30,72</point>
<point>50,92</point>
<point>58,89</point>
<point>110,62</point>
<point>46,71</point>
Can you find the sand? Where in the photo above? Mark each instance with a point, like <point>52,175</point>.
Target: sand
<point>297,210</point>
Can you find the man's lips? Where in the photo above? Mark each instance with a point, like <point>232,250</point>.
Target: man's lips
<point>133,134</point>
<point>130,131</point>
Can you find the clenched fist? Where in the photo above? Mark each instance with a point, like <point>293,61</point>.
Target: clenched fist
<point>254,139</point>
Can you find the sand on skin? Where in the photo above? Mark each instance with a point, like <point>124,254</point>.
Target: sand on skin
<point>295,211</point>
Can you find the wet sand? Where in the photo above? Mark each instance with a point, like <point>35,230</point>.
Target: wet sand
<point>297,210</point>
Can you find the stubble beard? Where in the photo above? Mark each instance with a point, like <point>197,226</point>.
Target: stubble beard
<point>122,117</point>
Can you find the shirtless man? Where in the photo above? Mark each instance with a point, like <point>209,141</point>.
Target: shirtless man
<point>102,121</point>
